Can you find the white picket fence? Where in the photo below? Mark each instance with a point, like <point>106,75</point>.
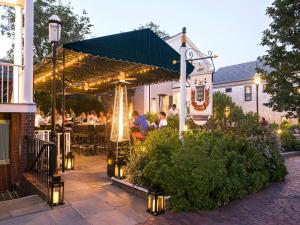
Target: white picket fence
<point>45,136</point>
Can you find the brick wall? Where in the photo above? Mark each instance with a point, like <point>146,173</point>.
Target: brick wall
<point>21,124</point>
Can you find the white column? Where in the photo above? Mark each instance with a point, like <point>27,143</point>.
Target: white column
<point>17,52</point>
<point>182,110</point>
<point>27,81</point>
<point>147,99</point>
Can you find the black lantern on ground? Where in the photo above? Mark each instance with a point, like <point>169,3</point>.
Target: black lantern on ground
<point>119,170</point>
<point>69,161</point>
<point>56,191</point>
<point>155,202</point>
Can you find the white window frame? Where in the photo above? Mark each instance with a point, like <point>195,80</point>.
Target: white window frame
<point>248,95</point>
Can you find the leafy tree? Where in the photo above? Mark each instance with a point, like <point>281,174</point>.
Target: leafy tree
<point>75,27</point>
<point>155,28</point>
<point>282,39</point>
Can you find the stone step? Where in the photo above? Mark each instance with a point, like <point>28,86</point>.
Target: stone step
<point>22,206</point>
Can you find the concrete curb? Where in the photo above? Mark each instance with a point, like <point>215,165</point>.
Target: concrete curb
<point>287,155</point>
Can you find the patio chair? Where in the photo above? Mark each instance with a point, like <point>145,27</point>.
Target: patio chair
<point>100,138</point>
<point>107,131</point>
<point>75,136</point>
<point>84,139</point>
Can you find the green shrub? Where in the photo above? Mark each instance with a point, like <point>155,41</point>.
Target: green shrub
<point>288,140</point>
<point>143,151</point>
<point>207,169</point>
<point>228,158</point>
<point>173,122</point>
<point>266,141</point>
<point>151,117</point>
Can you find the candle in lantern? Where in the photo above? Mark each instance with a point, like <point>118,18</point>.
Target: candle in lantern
<point>55,196</point>
<point>121,172</point>
<point>153,205</point>
<point>69,165</point>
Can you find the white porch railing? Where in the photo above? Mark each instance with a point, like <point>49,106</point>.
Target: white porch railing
<point>8,75</point>
<point>45,136</point>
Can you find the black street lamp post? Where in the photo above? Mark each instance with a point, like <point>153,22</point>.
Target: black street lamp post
<point>54,37</point>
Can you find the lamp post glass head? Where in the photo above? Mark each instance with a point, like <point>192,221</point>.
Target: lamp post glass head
<point>257,79</point>
<point>54,28</point>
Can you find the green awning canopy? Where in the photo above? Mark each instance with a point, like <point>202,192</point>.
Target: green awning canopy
<point>96,63</point>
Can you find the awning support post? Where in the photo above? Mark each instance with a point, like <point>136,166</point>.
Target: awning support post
<point>182,111</point>
<point>63,113</point>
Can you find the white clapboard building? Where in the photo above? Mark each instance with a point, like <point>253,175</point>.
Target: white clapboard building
<point>237,81</point>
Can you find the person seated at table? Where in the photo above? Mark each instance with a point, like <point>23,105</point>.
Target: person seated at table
<point>140,122</point>
<point>39,120</point>
<point>81,118</point>
<point>72,115</point>
<point>92,117</point>
<point>162,120</point>
<point>58,119</point>
<point>109,117</point>
<point>173,111</point>
<point>102,118</point>
<point>48,119</point>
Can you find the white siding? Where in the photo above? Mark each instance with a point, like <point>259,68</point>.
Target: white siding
<point>238,96</point>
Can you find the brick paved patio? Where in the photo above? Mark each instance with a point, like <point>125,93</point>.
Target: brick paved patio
<point>91,199</point>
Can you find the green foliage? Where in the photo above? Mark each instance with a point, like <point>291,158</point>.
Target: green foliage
<point>135,166</point>
<point>283,55</point>
<point>82,103</point>
<point>142,152</point>
<point>173,122</point>
<point>233,157</point>
<point>227,116</point>
<point>151,117</point>
<point>43,101</point>
<point>79,102</point>
<point>207,169</point>
<point>75,27</point>
<point>155,28</point>
<point>288,140</point>
<point>287,137</point>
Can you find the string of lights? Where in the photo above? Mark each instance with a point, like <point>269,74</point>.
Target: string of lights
<point>49,74</point>
<point>102,81</point>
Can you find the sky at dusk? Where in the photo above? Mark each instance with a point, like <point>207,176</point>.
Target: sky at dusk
<point>230,28</point>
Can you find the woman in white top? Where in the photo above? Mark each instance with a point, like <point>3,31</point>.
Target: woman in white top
<point>39,120</point>
<point>173,111</point>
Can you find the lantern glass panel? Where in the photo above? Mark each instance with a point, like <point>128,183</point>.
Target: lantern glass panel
<point>119,171</point>
<point>151,203</point>
<point>160,203</point>
<point>69,162</point>
<point>116,171</point>
<point>54,32</point>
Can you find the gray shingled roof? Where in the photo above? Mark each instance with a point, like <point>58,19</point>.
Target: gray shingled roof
<point>238,72</point>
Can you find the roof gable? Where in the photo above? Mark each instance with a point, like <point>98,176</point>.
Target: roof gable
<point>238,72</point>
